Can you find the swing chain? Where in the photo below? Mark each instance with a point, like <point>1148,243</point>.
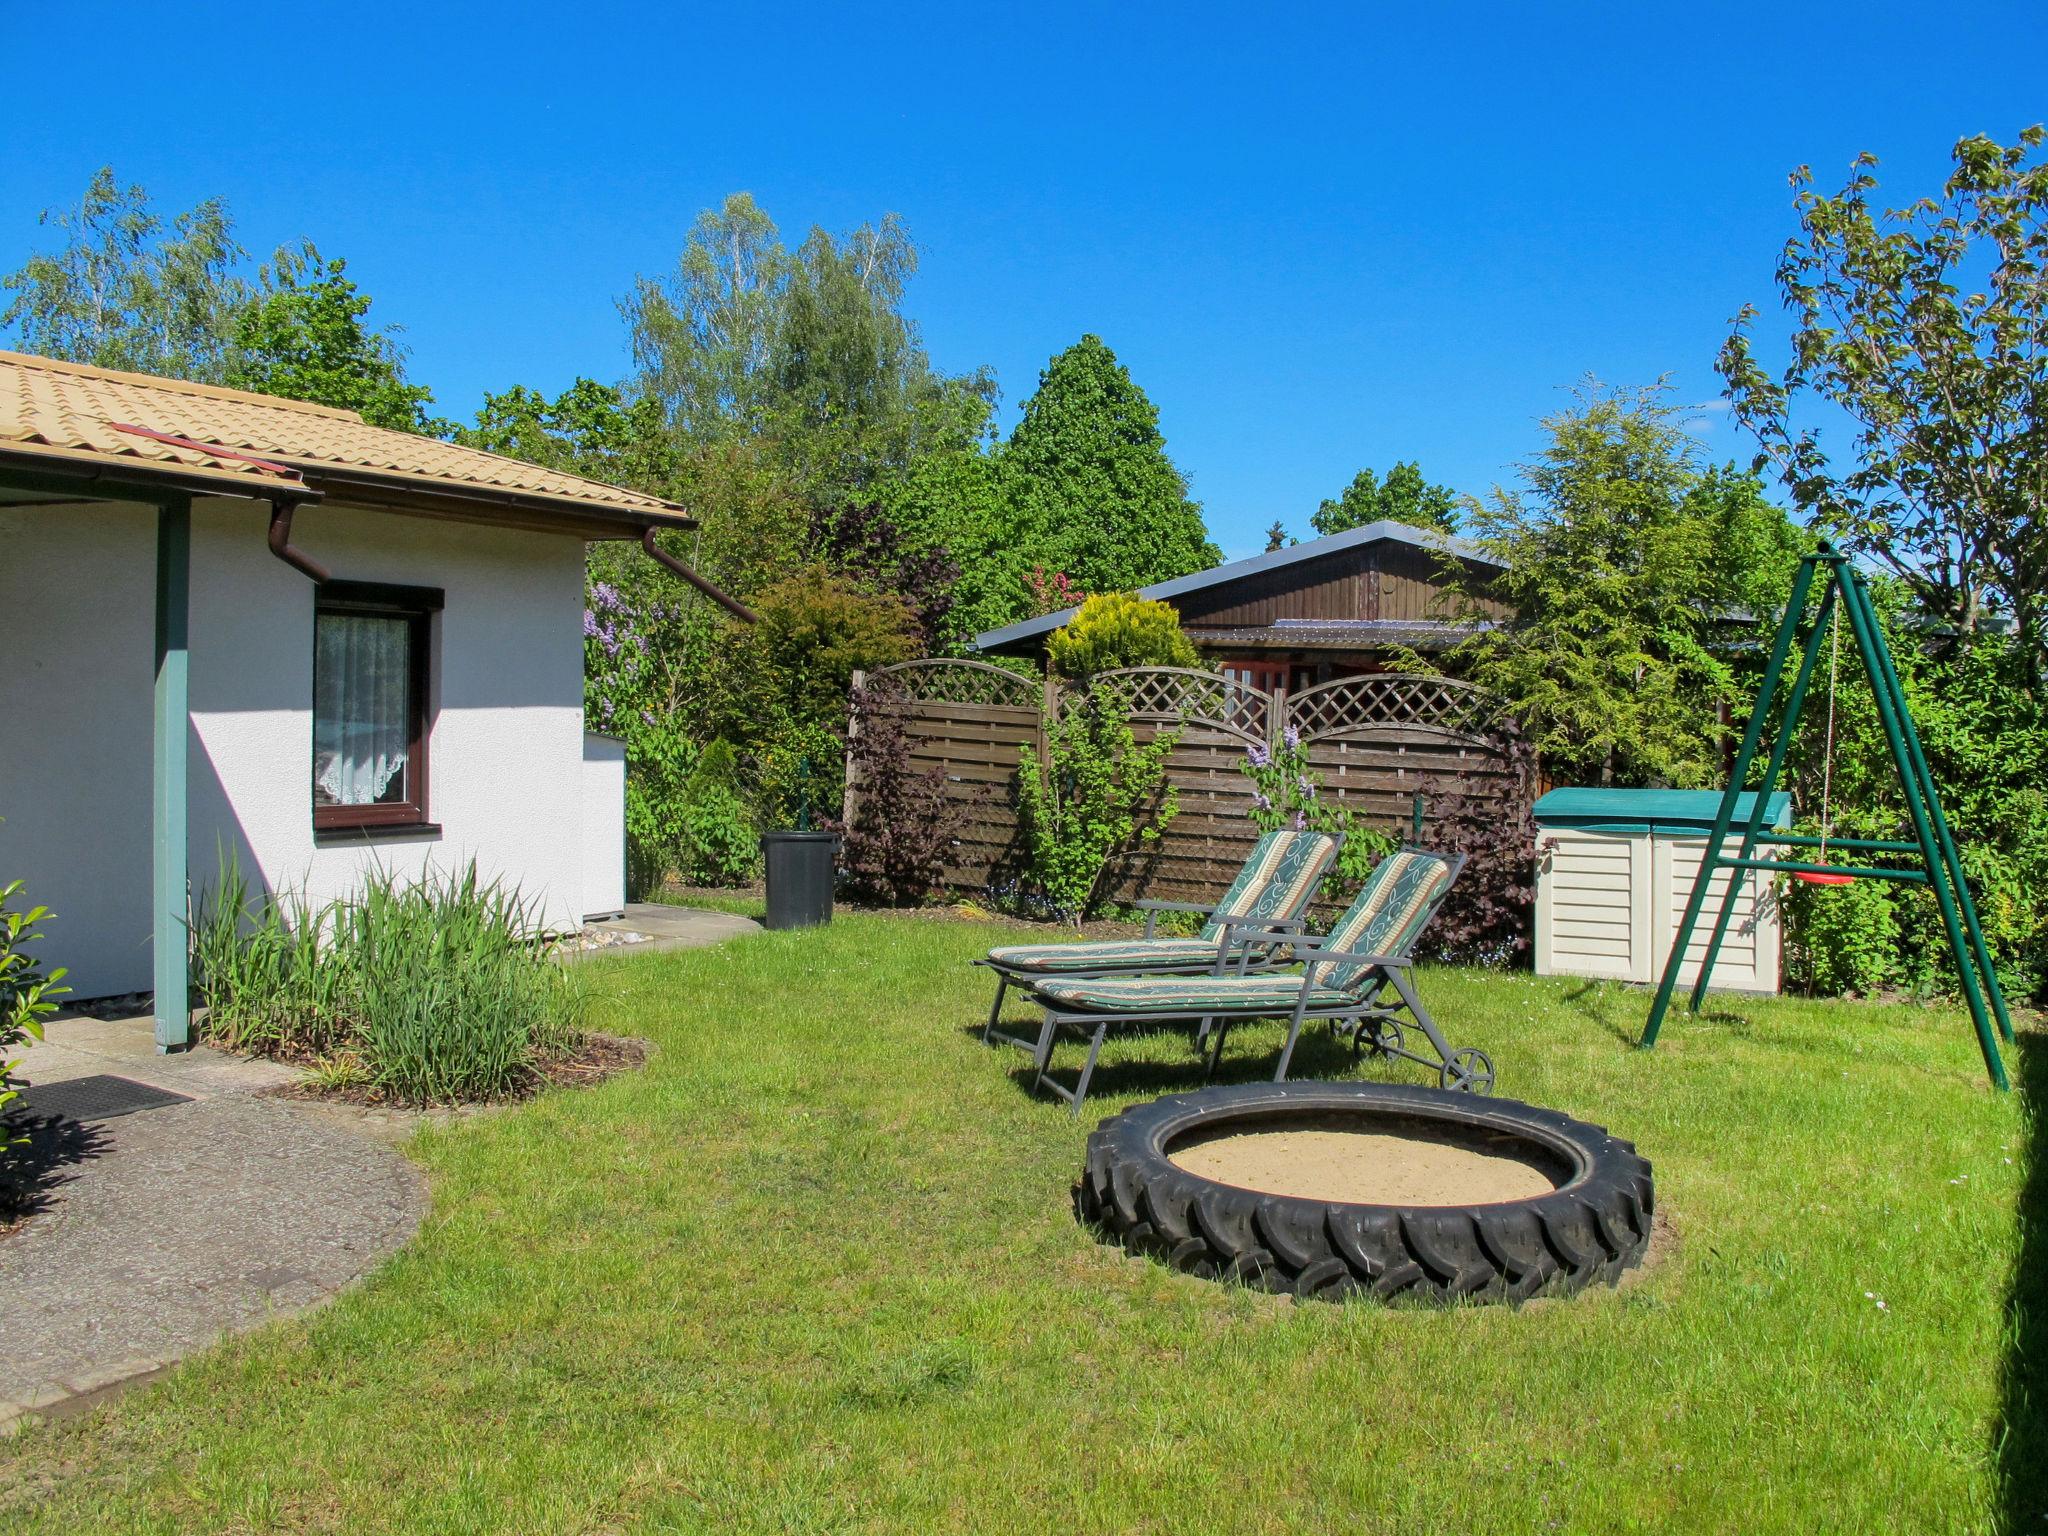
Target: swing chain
<point>1827,762</point>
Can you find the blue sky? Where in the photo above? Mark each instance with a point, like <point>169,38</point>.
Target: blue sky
<point>1319,238</point>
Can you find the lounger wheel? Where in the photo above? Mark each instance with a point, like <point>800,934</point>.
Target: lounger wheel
<point>1469,1070</point>
<point>1382,1037</point>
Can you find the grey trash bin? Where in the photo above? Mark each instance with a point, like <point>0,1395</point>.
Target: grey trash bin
<point>800,869</point>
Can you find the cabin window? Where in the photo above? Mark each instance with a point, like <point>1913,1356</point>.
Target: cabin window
<point>372,650</point>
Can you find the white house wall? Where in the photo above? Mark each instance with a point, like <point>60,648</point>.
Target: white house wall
<point>505,742</point>
<point>77,633</point>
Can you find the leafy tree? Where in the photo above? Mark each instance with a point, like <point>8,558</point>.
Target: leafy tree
<point>1403,497</point>
<point>807,350</point>
<point>794,672</point>
<point>1091,490</point>
<point>1924,325</point>
<point>954,500</point>
<point>818,629</point>
<point>589,429</point>
<point>1625,568</point>
<point>302,335</point>
<point>127,291</point>
<point>865,545</point>
<point>1119,629</point>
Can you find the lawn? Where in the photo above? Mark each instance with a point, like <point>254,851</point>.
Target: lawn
<point>815,1270</point>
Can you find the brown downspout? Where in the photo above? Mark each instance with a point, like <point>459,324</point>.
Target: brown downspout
<point>281,542</point>
<point>731,605</point>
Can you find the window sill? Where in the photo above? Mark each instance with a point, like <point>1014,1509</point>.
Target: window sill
<point>404,831</point>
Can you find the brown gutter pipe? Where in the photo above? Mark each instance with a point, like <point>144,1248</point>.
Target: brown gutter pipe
<point>731,605</point>
<point>281,543</point>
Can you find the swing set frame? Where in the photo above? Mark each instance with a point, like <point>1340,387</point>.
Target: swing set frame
<point>1937,863</point>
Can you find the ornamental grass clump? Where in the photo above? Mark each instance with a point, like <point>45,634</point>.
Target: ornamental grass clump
<point>427,991</point>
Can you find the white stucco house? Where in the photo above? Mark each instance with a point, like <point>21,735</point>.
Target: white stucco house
<point>234,623</point>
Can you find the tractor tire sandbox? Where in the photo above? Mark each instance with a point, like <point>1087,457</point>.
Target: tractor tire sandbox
<point>1334,1190</point>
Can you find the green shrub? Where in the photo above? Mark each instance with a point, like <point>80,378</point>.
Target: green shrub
<point>659,762</point>
<point>1987,744</point>
<point>1099,794</point>
<point>721,843</point>
<point>432,990</point>
<point>1119,629</point>
<point>1842,938</point>
<point>25,990</point>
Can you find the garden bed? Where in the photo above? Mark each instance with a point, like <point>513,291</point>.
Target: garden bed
<point>593,1059</point>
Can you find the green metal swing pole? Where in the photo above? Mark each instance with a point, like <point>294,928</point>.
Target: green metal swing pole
<point>1795,701</point>
<point>1951,855</point>
<point>1870,641</point>
<point>1781,647</point>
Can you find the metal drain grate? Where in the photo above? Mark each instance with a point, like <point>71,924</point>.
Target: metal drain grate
<point>100,1097</point>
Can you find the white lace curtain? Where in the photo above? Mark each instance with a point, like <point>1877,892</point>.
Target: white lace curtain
<point>362,667</point>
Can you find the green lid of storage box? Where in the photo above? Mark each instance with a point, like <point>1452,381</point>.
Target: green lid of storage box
<point>1659,812</point>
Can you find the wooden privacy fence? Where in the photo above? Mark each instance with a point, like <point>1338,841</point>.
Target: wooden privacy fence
<point>1374,741</point>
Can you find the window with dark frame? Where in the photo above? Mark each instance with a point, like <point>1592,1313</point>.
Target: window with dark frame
<point>372,647</point>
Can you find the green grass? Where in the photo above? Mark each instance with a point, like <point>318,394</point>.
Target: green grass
<point>815,1270</point>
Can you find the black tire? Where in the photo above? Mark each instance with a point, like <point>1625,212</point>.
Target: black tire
<point>1592,1227</point>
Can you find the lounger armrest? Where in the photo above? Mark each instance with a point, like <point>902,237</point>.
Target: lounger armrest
<point>1244,934</point>
<point>1152,909</point>
<point>1316,955</point>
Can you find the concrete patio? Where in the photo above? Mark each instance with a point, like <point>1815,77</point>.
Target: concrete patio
<point>152,1234</point>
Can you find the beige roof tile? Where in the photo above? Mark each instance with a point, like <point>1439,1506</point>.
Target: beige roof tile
<point>77,412</point>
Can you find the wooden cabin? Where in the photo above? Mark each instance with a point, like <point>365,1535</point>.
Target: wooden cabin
<point>1329,608</point>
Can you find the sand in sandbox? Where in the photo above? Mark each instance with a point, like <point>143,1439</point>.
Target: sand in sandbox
<point>1363,1168</point>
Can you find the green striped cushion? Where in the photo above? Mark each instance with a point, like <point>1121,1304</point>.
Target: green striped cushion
<point>1186,994</point>
<point>1109,955</point>
<point>1390,911</point>
<point>1277,880</point>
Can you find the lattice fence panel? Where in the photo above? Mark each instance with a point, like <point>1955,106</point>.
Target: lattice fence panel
<point>949,681</point>
<point>1179,693</point>
<point>1395,699</point>
<point>1374,741</point>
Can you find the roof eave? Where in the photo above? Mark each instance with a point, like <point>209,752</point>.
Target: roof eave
<point>120,477</point>
<point>500,506</point>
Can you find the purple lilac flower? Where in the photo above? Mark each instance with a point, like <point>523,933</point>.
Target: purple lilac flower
<point>1300,821</point>
<point>1262,802</point>
<point>1259,756</point>
<point>1293,739</point>
<point>589,624</point>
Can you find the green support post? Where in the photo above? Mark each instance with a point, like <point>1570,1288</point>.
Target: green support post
<point>1795,700</point>
<point>1870,640</point>
<point>1950,855</point>
<point>172,716</point>
<point>1781,646</point>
